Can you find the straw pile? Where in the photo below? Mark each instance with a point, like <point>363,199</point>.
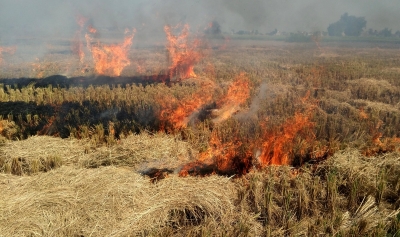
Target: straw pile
<point>351,163</point>
<point>111,201</point>
<point>44,153</point>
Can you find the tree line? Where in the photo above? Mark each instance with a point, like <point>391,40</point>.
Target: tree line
<point>354,26</point>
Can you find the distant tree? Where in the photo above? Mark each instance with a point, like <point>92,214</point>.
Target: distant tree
<point>385,32</point>
<point>243,32</point>
<point>214,29</point>
<point>371,31</point>
<point>336,29</point>
<point>274,32</point>
<point>347,25</point>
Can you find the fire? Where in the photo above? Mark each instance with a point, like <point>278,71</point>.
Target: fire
<point>378,143</point>
<point>227,40</point>
<point>238,93</point>
<point>81,20</point>
<point>77,44</point>
<point>182,55</point>
<point>363,114</point>
<point>110,59</point>
<point>9,50</point>
<point>231,153</point>
<point>93,30</point>
<point>178,113</point>
<point>223,156</point>
<point>278,144</point>
<point>38,68</point>
<point>140,66</point>
<point>316,38</point>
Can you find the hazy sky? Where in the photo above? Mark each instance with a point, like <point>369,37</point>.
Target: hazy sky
<point>57,17</point>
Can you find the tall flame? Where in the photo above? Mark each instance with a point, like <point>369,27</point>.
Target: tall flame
<point>182,55</point>
<point>77,44</point>
<point>316,38</point>
<point>278,143</point>
<point>110,59</point>
<point>229,152</point>
<point>238,93</point>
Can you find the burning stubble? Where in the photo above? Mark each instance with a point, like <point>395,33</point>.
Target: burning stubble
<point>176,114</point>
<point>77,43</point>
<point>113,58</point>
<point>238,93</point>
<point>183,54</point>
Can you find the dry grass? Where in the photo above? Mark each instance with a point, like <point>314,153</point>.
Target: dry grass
<point>8,129</point>
<point>343,196</point>
<point>111,201</point>
<point>348,194</point>
<point>36,154</point>
<point>93,186</point>
<point>351,161</point>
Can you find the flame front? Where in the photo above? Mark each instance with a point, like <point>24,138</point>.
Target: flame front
<point>222,155</point>
<point>77,44</point>
<point>182,56</point>
<point>229,152</point>
<point>178,113</point>
<point>278,143</point>
<point>110,59</point>
<point>238,93</point>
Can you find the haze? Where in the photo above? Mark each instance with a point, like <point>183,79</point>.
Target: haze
<point>50,18</point>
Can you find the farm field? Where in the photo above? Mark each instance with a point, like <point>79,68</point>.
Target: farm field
<point>210,137</point>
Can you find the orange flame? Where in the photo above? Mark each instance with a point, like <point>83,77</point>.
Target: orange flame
<point>380,144</point>
<point>179,113</point>
<point>38,68</point>
<point>230,154</point>
<point>182,55</point>
<point>277,145</point>
<point>141,66</point>
<point>316,38</point>
<point>77,44</point>
<point>227,40</point>
<point>238,93</point>
<point>110,59</point>
<point>221,156</point>
<point>93,30</point>
<point>9,50</point>
<point>363,114</point>
<point>81,20</point>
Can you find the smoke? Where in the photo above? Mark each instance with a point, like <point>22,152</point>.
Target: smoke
<point>45,20</point>
<point>56,18</point>
<point>251,113</point>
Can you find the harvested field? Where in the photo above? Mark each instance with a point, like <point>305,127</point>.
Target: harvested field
<point>246,138</point>
<point>141,152</point>
<point>112,201</point>
<point>348,194</point>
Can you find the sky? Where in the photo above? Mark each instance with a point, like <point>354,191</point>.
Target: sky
<point>49,18</point>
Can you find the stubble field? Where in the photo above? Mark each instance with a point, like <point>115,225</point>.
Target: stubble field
<point>262,138</point>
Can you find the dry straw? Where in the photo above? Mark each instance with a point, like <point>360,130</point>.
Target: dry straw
<point>110,201</point>
<point>43,153</point>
